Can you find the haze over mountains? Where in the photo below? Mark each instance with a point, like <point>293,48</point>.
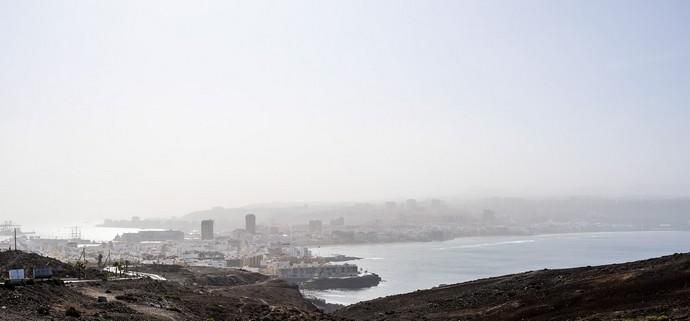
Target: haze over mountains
<point>670,210</point>
<point>626,213</point>
<point>160,108</point>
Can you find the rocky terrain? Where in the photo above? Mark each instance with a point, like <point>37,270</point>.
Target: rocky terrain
<point>188,294</point>
<point>195,275</point>
<point>23,260</point>
<point>654,290</point>
<point>650,290</point>
<point>355,282</point>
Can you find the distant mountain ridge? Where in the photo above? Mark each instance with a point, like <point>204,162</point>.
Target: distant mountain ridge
<point>637,213</point>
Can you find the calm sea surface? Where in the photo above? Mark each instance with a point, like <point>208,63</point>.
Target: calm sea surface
<point>406,267</point>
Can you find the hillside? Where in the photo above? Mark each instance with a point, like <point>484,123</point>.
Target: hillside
<point>655,289</point>
<point>189,294</point>
<point>23,260</point>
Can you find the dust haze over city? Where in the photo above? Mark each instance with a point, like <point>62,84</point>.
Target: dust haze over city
<point>339,147</point>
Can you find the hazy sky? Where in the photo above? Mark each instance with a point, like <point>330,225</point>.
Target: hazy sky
<point>156,108</point>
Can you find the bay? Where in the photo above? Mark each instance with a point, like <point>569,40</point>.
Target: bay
<point>406,267</point>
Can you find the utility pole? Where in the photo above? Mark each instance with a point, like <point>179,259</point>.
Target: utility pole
<point>15,239</point>
<point>83,253</point>
<point>105,265</point>
<point>81,265</point>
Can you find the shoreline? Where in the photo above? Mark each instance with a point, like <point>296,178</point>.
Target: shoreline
<point>491,259</point>
<point>497,235</point>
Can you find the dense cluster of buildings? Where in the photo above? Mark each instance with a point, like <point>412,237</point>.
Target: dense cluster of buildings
<point>269,251</point>
<point>283,249</point>
<point>257,247</point>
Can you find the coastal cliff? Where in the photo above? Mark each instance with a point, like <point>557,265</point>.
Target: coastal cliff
<point>355,282</point>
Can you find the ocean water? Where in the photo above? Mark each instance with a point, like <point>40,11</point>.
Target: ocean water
<point>406,267</point>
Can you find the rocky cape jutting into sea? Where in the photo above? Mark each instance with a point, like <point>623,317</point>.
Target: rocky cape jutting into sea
<point>655,289</point>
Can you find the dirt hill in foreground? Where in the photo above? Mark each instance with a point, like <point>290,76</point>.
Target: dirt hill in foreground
<point>23,260</point>
<point>656,289</point>
<point>650,290</point>
<point>190,294</point>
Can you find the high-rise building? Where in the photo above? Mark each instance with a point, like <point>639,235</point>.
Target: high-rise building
<point>340,221</point>
<point>207,229</point>
<point>411,204</point>
<point>250,223</point>
<point>315,226</point>
<point>488,216</point>
<point>391,205</point>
